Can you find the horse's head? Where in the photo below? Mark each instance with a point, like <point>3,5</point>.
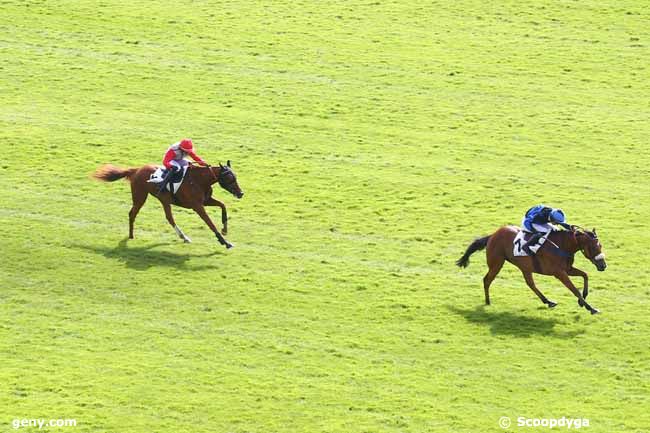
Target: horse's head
<point>591,248</point>
<point>228,181</point>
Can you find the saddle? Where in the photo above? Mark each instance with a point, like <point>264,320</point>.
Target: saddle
<point>520,240</point>
<point>174,183</point>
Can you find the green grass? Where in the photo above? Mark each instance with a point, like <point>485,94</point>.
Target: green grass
<point>374,141</point>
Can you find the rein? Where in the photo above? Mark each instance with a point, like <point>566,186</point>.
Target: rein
<point>219,178</point>
<point>209,167</point>
<point>559,251</point>
<point>214,176</point>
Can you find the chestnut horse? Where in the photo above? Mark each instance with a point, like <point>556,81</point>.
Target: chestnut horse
<point>194,193</point>
<point>554,257</point>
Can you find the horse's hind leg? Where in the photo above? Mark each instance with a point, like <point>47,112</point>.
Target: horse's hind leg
<point>495,263</point>
<point>531,283</point>
<point>139,197</point>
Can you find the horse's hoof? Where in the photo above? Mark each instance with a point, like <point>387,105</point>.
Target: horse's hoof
<point>595,311</point>
<point>224,231</point>
<point>229,245</point>
<point>187,240</point>
<point>552,304</point>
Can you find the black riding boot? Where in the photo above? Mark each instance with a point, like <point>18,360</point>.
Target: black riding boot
<point>530,242</point>
<point>165,181</point>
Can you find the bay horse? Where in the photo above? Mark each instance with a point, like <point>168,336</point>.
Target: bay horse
<point>555,257</point>
<point>194,193</point>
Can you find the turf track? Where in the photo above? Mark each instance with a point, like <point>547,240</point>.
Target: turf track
<point>374,141</point>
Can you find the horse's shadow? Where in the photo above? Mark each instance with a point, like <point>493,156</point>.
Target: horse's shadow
<point>507,323</point>
<point>145,257</point>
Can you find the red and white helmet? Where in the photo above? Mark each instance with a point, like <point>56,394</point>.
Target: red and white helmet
<point>186,145</point>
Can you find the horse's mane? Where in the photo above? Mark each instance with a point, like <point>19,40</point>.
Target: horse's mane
<point>563,234</point>
<point>562,238</point>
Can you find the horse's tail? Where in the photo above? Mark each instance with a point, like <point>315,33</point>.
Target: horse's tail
<point>110,173</point>
<point>475,246</point>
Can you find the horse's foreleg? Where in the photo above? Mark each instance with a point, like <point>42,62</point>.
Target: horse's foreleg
<point>564,277</point>
<point>204,216</point>
<point>138,201</point>
<point>585,288</point>
<point>170,218</point>
<point>224,214</point>
<point>528,276</point>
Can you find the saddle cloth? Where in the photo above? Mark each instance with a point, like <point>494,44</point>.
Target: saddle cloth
<point>521,238</point>
<point>174,183</point>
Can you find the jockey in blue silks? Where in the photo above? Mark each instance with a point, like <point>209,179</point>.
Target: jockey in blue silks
<point>539,221</point>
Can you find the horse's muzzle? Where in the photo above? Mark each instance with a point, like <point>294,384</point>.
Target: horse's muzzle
<point>239,195</point>
<point>599,261</point>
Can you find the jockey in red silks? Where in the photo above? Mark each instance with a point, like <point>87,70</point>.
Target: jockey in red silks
<point>174,159</point>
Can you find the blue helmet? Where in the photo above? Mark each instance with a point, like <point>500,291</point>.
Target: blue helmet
<point>557,216</point>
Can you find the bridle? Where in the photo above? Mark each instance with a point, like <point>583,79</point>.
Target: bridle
<point>592,237</point>
<point>220,178</point>
<point>225,170</point>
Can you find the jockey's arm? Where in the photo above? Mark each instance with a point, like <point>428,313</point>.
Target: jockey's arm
<point>197,158</point>
<point>169,156</point>
<point>563,225</point>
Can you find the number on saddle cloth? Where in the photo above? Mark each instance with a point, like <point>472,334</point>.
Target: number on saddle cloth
<point>520,240</point>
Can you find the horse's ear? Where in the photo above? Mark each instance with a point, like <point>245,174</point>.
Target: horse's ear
<point>594,230</point>
<point>220,165</point>
<point>228,163</point>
